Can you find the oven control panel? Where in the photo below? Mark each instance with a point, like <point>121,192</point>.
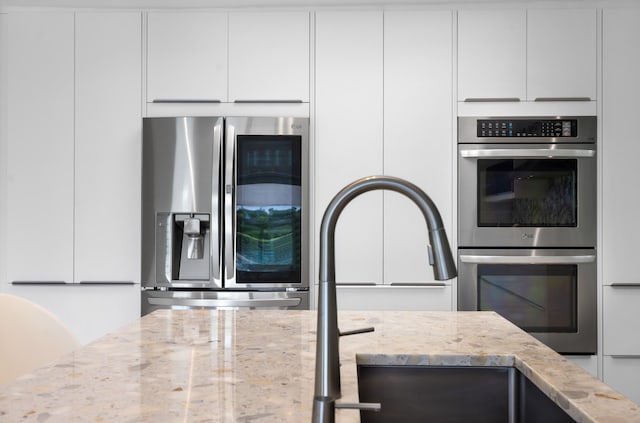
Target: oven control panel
<point>522,128</point>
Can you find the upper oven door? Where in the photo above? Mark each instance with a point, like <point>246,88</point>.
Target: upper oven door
<point>527,195</point>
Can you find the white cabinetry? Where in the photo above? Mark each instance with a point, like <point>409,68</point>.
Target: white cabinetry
<point>377,81</point>
<point>620,205</point>
<point>349,135</point>
<point>219,57</point>
<point>186,56</point>
<point>623,374</point>
<point>40,147</point>
<point>107,147</point>
<point>418,138</point>
<point>492,54</point>
<point>527,55</point>
<point>269,56</point>
<point>74,118</point>
<point>88,311</point>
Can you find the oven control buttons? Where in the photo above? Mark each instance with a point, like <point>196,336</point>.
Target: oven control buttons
<point>551,128</point>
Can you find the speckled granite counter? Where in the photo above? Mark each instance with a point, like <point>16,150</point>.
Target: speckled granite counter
<point>258,366</point>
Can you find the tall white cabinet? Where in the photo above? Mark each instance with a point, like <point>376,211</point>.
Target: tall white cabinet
<point>108,129</point>
<point>384,106</point>
<point>40,147</point>
<point>349,135</point>
<point>73,178</point>
<point>620,202</point>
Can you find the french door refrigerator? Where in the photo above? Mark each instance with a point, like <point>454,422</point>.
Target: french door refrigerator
<point>225,208</point>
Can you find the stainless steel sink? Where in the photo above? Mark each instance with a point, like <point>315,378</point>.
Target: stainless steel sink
<point>439,394</point>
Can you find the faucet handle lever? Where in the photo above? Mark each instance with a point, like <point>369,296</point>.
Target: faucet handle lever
<point>355,331</point>
<point>367,406</point>
<point>430,254</point>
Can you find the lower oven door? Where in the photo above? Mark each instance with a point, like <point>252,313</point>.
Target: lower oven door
<point>550,293</point>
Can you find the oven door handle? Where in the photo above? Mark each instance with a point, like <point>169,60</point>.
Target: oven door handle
<point>483,259</point>
<point>527,152</point>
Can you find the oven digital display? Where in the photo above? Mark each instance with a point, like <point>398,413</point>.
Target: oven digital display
<point>524,128</point>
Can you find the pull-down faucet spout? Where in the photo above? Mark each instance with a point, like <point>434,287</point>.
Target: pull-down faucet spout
<point>327,373</point>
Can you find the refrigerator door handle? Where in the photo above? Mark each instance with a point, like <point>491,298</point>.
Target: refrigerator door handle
<point>216,221</point>
<point>216,303</point>
<point>229,204</point>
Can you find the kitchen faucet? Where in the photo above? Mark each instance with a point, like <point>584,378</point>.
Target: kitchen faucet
<point>327,376</point>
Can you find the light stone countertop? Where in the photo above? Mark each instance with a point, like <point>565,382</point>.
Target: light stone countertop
<point>258,366</point>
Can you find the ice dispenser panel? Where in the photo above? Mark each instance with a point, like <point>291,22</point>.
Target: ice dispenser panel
<point>183,246</point>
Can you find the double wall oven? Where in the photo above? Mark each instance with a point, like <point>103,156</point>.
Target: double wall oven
<point>527,225</point>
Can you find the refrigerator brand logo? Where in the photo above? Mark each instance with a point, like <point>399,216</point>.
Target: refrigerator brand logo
<point>296,126</point>
<point>527,236</point>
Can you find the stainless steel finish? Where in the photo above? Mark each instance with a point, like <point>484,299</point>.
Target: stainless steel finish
<point>470,234</point>
<point>587,133</point>
<point>180,178</point>
<point>513,396</point>
<point>261,126</point>
<point>525,153</point>
<point>527,259</point>
<point>154,300</point>
<point>582,342</point>
<point>196,240</point>
<point>431,394</point>
<point>327,373</point>
<point>189,200</point>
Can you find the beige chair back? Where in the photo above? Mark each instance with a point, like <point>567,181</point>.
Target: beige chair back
<point>30,337</point>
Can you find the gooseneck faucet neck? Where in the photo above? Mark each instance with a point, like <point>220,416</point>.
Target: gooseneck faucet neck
<point>327,372</point>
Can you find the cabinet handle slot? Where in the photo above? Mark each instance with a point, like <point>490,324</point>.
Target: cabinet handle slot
<point>625,285</point>
<point>107,283</point>
<point>562,99</point>
<point>491,99</point>
<point>39,283</point>
<point>267,101</point>
<point>420,284</point>
<point>167,101</point>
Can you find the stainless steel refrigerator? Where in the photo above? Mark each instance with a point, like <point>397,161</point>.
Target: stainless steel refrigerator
<point>225,207</point>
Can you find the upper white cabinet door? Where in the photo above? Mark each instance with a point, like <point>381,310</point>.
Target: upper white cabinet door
<point>348,134</point>
<point>619,146</point>
<point>187,56</point>
<point>492,54</point>
<point>107,148</point>
<point>269,56</point>
<point>40,147</point>
<point>418,139</point>
<point>561,54</point>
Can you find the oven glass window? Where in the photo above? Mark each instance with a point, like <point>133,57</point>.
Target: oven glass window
<point>537,298</point>
<point>527,192</point>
